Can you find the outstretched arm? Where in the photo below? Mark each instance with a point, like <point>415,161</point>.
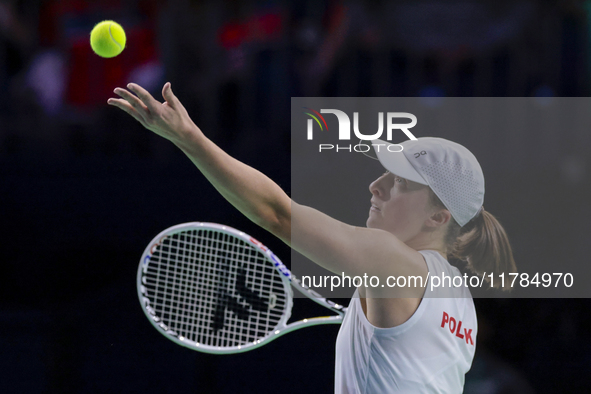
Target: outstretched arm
<point>328,242</point>
<point>250,191</point>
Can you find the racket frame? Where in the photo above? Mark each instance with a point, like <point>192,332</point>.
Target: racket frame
<point>287,278</point>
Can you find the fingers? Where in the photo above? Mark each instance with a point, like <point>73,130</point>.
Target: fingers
<point>151,113</point>
<point>134,101</point>
<point>127,107</point>
<point>169,96</point>
<point>146,97</point>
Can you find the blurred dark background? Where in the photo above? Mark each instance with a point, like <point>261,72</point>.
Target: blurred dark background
<point>83,187</point>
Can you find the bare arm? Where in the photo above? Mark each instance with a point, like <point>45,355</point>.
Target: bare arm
<point>330,243</point>
<point>248,190</point>
<point>251,192</point>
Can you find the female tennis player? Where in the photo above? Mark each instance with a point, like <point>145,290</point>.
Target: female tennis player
<point>416,338</point>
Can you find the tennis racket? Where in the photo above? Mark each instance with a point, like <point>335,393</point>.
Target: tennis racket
<point>215,289</point>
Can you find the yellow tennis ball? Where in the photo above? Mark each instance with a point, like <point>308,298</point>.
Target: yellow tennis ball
<point>107,39</point>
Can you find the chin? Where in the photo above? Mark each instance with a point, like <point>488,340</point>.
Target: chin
<point>371,223</point>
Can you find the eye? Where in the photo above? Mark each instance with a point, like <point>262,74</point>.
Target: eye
<point>399,180</point>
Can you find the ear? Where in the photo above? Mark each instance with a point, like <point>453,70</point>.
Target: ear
<point>438,218</point>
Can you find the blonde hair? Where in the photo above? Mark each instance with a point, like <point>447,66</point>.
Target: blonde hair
<point>482,244</point>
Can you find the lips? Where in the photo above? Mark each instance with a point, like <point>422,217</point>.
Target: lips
<point>375,208</point>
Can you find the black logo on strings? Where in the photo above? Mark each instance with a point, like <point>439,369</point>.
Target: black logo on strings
<point>232,303</point>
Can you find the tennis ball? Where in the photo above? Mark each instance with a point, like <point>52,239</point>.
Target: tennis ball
<point>107,39</point>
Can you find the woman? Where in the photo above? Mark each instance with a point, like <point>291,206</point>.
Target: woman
<point>428,206</point>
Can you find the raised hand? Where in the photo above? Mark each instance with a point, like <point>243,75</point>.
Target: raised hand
<point>168,119</point>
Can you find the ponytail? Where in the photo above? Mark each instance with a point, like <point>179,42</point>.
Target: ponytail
<point>482,244</point>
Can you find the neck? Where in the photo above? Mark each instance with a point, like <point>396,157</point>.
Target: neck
<point>424,241</point>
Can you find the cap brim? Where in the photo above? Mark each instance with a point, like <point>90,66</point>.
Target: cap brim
<point>396,162</point>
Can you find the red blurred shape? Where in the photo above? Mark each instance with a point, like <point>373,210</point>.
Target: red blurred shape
<point>232,35</point>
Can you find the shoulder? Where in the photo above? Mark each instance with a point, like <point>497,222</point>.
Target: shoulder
<point>386,308</point>
<point>399,298</point>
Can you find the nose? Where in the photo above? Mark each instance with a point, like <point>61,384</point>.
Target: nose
<point>377,188</point>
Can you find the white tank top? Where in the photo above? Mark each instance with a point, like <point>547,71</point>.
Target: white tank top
<point>429,353</point>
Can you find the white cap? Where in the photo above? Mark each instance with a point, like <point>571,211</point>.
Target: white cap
<point>451,170</point>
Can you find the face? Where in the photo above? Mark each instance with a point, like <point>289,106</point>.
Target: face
<point>399,206</point>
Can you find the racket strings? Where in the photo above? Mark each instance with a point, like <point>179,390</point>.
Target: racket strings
<point>214,289</point>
